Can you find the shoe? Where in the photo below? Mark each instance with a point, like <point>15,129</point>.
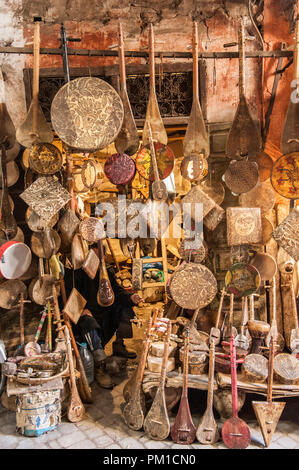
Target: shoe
<point>120,350</point>
<point>103,379</point>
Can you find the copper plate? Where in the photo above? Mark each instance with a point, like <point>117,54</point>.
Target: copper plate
<point>165,161</point>
<point>285,175</point>
<point>242,279</point>
<point>45,159</point>
<point>261,196</point>
<point>241,176</point>
<point>193,287</point>
<point>87,113</point>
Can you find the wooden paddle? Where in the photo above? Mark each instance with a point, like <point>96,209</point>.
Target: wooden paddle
<point>267,412</point>
<point>207,431</point>
<point>134,409</point>
<point>105,296</point>
<point>7,128</point>
<point>83,382</point>
<point>243,138</point>
<point>289,137</point>
<point>8,223</point>
<point>235,432</point>
<point>152,112</point>
<point>183,430</point>
<point>127,140</point>
<point>196,138</point>
<point>75,409</point>
<point>35,128</point>
<point>156,423</point>
<point>159,189</point>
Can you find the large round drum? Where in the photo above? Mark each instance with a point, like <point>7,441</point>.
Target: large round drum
<point>285,175</point>
<point>164,157</point>
<point>87,113</point>
<point>15,259</point>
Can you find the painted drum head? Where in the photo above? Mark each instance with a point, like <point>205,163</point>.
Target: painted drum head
<point>241,176</point>
<point>119,168</point>
<point>194,255</point>
<point>193,286</point>
<point>194,167</point>
<point>164,157</point>
<point>15,259</point>
<point>285,175</point>
<point>45,159</point>
<point>242,279</point>
<point>92,229</point>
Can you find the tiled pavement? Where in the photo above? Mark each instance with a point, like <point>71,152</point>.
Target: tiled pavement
<point>103,427</point>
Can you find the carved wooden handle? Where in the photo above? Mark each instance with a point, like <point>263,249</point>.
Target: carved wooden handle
<point>195,60</point>
<point>241,59</point>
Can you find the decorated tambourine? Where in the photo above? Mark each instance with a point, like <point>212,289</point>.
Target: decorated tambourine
<point>165,161</point>
<point>285,175</point>
<point>242,279</point>
<point>119,168</point>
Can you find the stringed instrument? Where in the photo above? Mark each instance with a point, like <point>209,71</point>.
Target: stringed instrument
<point>8,223</point>
<point>127,140</point>
<point>7,128</point>
<point>153,116</point>
<point>215,333</point>
<point>35,128</point>
<point>183,430</point>
<point>159,189</point>
<point>196,138</point>
<point>134,409</point>
<point>267,412</point>
<point>235,432</point>
<point>75,409</point>
<point>243,138</point>
<point>156,423</point>
<point>207,431</point>
<point>241,340</point>
<point>105,296</point>
<point>289,137</point>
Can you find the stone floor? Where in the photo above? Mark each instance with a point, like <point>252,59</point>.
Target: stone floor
<point>103,427</point>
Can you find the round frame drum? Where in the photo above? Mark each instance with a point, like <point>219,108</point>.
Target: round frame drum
<point>15,259</point>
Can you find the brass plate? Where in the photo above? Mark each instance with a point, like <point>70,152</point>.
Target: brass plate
<point>45,159</point>
<point>287,234</point>
<point>241,176</point>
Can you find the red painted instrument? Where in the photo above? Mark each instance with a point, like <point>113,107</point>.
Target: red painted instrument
<point>235,432</point>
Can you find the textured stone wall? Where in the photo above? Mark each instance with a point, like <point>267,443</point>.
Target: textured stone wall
<point>96,22</point>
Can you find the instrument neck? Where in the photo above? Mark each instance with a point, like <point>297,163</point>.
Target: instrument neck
<point>186,366</point>
<point>195,60</point>
<point>121,56</point>
<point>231,311</point>
<point>244,314</point>
<point>270,371</point>
<point>251,307</point>
<point>241,60</point>
<point>152,60</point>
<point>233,364</point>
<point>35,90</point>
<point>165,357</point>
<point>296,55</point>
<point>142,361</point>
<point>211,376</point>
<point>220,308</point>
